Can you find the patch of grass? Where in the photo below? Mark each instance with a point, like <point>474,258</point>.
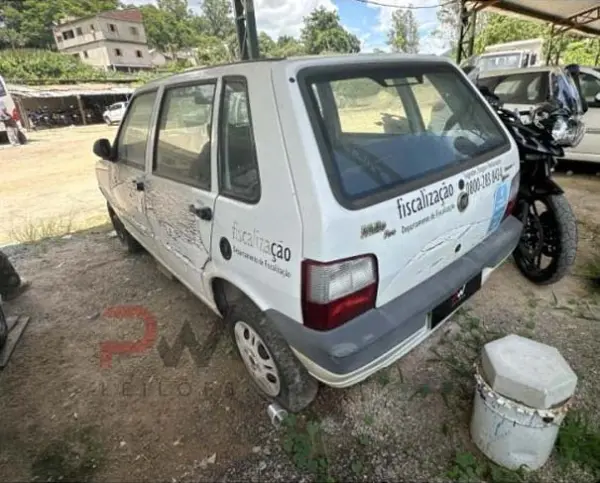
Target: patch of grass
<point>467,468</point>
<point>579,443</point>
<point>304,444</point>
<point>29,231</point>
<point>76,457</point>
<point>459,353</point>
<point>591,272</point>
<point>383,377</point>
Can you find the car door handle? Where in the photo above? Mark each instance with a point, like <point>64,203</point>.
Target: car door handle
<point>202,212</point>
<point>139,185</point>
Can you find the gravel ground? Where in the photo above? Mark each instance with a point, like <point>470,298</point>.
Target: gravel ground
<point>65,415</point>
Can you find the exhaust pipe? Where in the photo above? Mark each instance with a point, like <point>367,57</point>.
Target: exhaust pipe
<point>276,414</point>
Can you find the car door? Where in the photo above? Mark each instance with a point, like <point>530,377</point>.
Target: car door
<point>179,197</point>
<point>127,175</point>
<point>589,147</point>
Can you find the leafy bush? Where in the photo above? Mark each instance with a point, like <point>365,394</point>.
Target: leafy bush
<point>44,66</point>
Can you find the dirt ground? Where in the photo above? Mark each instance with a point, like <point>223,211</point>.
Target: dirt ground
<point>67,417</point>
<point>50,183</point>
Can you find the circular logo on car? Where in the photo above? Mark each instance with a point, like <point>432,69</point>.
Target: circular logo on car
<point>225,248</point>
<point>463,201</point>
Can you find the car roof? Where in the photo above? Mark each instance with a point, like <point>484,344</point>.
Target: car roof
<point>588,69</point>
<point>284,64</point>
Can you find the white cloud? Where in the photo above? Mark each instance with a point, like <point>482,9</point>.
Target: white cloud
<point>285,17</point>
<point>275,17</point>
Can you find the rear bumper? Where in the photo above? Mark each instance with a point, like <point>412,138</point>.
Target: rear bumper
<point>345,356</point>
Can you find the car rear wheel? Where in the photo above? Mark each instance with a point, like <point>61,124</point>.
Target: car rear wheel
<point>274,370</point>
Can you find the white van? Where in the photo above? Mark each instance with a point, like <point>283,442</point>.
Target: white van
<point>306,202</point>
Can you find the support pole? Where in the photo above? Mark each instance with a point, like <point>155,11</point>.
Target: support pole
<point>550,45</point>
<point>245,23</point>
<point>81,110</point>
<point>23,114</point>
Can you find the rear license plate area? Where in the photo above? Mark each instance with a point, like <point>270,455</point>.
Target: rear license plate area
<point>454,301</point>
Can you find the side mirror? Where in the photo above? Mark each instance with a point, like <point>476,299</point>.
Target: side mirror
<point>103,150</point>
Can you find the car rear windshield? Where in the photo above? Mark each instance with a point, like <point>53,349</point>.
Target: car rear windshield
<point>524,88</point>
<point>383,132</point>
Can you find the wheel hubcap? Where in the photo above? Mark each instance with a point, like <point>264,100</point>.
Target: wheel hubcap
<point>257,358</point>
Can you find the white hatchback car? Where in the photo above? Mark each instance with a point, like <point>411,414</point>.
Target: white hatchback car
<point>114,113</point>
<point>305,201</point>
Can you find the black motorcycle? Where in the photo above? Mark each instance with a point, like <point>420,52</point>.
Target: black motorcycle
<point>548,244</point>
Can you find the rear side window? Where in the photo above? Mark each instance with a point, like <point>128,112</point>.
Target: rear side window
<point>387,131</point>
<point>526,88</point>
<point>183,140</point>
<point>238,167</point>
<point>133,137</point>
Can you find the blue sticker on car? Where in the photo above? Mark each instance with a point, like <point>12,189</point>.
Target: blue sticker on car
<point>500,201</point>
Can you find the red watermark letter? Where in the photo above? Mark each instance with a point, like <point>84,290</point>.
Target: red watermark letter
<point>108,348</point>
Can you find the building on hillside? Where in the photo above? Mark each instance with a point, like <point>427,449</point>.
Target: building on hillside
<point>113,40</point>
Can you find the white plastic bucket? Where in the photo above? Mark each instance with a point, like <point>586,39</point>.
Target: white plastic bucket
<point>511,434</point>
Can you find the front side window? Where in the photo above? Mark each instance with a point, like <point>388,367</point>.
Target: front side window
<point>133,136</point>
<point>184,132</point>
<point>387,129</point>
<point>238,167</point>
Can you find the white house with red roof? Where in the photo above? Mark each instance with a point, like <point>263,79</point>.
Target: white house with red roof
<point>108,40</point>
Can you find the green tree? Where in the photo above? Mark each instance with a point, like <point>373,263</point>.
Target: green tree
<point>218,18</point>
<point>404,36</point>
<point>288,46</point>
<point>29,23</point>
<point>448,15</point>
<point>213,50</point>
<point>266,45</point>
<point>169,26</point>
<point>323,33</point>
<point>584,52</point>
<point>507,28</point>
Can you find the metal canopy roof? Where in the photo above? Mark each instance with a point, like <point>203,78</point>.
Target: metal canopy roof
<point>578,15</point>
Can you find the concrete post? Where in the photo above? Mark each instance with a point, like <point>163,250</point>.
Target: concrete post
<point>81,110</point>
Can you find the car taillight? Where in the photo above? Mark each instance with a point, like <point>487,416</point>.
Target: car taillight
<point>512,196</point>
<point>335,292</point>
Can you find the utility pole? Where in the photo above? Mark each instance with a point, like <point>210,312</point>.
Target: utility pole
<point>245,24</point>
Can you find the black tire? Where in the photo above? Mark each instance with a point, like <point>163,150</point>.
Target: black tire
<point>297,387</point>
<point>132,245</point>
<point>3,329</point>
<point>561,222</point>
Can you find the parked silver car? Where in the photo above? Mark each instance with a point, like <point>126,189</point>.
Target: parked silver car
<point>524,88</point>
<point>114,113</point>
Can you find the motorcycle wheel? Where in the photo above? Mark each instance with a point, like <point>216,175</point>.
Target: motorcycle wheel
<point>552,234</point>
<point>3,329</point>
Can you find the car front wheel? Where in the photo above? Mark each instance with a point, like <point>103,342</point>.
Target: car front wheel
<point>274,370</point>
<point>133,246</point>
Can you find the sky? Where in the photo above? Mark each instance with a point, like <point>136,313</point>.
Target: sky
<point>369,22</point>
